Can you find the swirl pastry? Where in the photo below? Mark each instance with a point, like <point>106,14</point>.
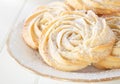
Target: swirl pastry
<point>98,6</point>
<point>113,61</point>
<point>75,40</point>
<point>35,23</point>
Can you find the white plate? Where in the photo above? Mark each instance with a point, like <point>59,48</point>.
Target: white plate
<point>31,59</point>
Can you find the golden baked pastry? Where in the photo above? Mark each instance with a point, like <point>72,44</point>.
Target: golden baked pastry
<point>98,6</point>
<point>75,40</point>
<point>113,61</point>
<point>35,23</point>
<point>75,4</point>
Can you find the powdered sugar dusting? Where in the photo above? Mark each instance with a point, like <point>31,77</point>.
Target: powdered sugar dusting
<point>31,59</point>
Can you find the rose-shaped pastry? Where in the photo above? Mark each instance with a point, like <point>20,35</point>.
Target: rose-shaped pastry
<point>35,23</point>
<point>98,6</point>
<point>75,40</point>
<point>113,61</point>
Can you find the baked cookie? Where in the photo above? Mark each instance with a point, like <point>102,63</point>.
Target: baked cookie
<point>75,40</point>
<point>98,6</point>
<point>75,4</point>
<point>113,61</point>
<point>36,22</point>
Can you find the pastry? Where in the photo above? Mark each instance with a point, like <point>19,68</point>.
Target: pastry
<point>75,40</point>
<point>35,23</point>
<point>113,61</point>
<point>103,6</point>
<point>75,4</point>
<point>98,6</point>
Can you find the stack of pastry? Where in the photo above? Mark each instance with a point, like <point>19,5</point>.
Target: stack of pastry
<point>74,34</point>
